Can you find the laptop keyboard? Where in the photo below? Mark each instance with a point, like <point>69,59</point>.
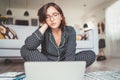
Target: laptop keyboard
<point>102,75</point>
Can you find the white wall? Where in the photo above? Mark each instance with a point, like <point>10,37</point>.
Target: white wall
<point>113,29</point>
<point>18,14</point>
<point>75,12</point>
<point>2,7</point>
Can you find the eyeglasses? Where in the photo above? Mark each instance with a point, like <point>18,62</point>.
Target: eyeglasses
<point>54,16</point>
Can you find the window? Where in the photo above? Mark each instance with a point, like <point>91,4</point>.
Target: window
<point>9,20</point>
<point>34,22</point>
<point>22,22</point>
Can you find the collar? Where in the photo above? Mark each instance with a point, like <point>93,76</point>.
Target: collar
<point>62,43</point>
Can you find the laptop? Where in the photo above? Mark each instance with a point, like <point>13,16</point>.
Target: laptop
<point>65,70</point>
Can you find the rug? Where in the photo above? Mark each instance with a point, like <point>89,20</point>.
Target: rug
<point>102,75</point>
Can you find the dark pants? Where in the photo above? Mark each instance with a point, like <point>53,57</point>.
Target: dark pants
<point>89,56</point>
<point>35,55</point>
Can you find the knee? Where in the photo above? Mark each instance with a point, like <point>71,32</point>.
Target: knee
<point>88,53</point>
<point>91,53</point>
<point>23,52</point>
<point>89,56</point>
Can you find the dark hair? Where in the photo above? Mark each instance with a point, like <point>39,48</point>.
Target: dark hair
<point>43,10</point>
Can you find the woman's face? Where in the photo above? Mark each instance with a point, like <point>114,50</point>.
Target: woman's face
<point>53,17</point>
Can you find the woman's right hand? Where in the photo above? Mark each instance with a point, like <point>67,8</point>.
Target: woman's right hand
<point>44,25</point>
<point>43,28</point>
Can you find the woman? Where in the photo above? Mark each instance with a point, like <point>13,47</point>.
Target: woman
<point>57,40</point>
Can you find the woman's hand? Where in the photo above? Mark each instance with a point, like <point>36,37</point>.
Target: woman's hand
<point>43,28</point>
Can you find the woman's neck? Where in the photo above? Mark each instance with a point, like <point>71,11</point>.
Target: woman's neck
<point>57,30</point>
<point>57,35</point>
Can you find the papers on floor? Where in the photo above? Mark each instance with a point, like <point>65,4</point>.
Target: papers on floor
<point>12,76</point>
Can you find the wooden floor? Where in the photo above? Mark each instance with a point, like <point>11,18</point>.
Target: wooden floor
<point>18,65</point>
<point>112,63</point>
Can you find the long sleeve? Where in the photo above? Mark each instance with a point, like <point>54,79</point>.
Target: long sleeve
<point>34,40</point>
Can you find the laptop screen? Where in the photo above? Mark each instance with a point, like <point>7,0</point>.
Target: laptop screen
<point>55,70</point>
